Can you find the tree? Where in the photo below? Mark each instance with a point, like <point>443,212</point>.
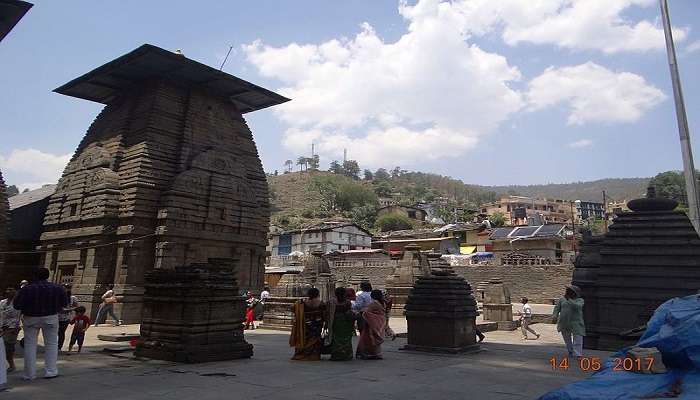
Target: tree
<point>396,172</point>
<point>12,190</point>
<point>383,189</point>
<point>336,168</point>
<point>497,219</point>
<point>381,175</point>
<point>671,185</point>
<point>393,222</point>
<point>365,216</point>
<point>352,194</point>
<point>288,165</point>
<point>368,175</point>
<point>314,162</point>
<point>351,169</point>
<point>303,162</point>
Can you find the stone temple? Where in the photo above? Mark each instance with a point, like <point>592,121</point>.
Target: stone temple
<point>650,255</point>
<point>167,175</point>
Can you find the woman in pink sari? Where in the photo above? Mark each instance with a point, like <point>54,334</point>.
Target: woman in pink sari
<point>369,347</point>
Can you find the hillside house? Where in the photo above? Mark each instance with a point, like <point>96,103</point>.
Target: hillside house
<point>519,210</point>
<point>326,237</point>
<point>407,211</point>
<point>551,242</point>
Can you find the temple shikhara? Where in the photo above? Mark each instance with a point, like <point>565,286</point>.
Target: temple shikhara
<point>167,175</point>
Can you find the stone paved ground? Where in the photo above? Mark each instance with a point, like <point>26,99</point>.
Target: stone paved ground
<point>507,368</point>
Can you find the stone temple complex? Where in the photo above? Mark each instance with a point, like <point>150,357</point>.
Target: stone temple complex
<point>167,175</point>
<point>650,255</point>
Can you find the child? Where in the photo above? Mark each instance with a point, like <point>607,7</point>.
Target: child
<point>80,323</point>
<point>526,319</point>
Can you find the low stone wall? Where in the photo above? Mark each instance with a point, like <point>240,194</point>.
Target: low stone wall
<point>377,274</point>
<point>539,283</point>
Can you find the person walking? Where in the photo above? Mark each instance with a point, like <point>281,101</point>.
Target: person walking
<point>568,314</point>
<point>251,303</point>
<point>9,327</point>
<point>526,319</point>
<point>40,302</point>
<point>65,315</point>
<point>107,307</point>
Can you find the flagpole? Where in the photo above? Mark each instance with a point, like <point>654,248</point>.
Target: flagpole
<point>691,183</point>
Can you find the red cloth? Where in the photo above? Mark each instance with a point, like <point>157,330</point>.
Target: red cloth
<point>372,336</point>
<point>350,294</point>
<point>84,322</point>
<point>249,315</point>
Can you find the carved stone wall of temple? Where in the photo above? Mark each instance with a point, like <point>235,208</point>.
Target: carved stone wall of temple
<point>4,228</point>
<point>649,256</point>
<point>167,175</point>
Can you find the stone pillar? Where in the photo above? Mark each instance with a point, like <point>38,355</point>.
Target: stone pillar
<point>498,306</point>
<point>441,312</point>
<point>399,284</point>
<point>278,307</point>
<point>193,314</point>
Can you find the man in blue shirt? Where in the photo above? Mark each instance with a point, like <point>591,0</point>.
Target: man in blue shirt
<point>40,303</point>
<point>360,304</point>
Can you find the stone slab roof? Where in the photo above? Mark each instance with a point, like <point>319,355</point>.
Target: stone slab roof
<point>32,196</point>
<point>103,84</point>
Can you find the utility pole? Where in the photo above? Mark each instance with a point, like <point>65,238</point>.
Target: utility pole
<point>345,156</point>
<point>605,213</point>
<point>691,183</point>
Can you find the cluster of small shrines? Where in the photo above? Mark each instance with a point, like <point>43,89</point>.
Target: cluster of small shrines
<point>165,199</point>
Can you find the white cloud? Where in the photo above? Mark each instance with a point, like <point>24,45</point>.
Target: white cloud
<point>571,24</point>
<point>581,144</point>
<point>429,94</point>
<point>692,47</point>
<point>593,93</point>
<point>31,168</point>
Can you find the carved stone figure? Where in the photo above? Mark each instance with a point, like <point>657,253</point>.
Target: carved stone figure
<point>167,175</point>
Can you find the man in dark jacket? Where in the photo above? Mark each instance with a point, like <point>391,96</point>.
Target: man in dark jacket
<point>40,303</point>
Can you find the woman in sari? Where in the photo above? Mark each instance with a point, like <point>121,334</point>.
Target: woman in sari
<point>369,347</point>
<point>309,319</point>
<point>341,326</point>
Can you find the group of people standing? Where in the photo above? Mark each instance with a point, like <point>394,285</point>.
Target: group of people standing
<point>43,306</point>
<point>327,328</point>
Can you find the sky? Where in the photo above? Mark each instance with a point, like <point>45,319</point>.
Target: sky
<point>490,92</point>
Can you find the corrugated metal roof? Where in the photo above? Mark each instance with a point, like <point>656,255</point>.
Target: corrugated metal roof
<point>103,84</point>
<point>11,11</point>
<point>32,196</point>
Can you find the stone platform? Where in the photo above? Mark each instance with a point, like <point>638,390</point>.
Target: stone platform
<point>507,368</point>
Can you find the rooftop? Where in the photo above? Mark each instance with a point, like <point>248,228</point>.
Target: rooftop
<point>105,83</point>
<point>32,196</point>
<point>11,11</point>
<point>527,232</point>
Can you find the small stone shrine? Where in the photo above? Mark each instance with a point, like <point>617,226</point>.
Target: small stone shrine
<point>497,305</point>
<point>317,272</point>
<point>650,255</point>
<point>4,229</point>
<point>167,175</point>
<point>278,307</point>
<point>441,312</point>
<point>398,285</point>
<point>193,314</point>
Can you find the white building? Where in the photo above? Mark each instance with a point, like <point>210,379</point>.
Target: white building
<point>327,237</point>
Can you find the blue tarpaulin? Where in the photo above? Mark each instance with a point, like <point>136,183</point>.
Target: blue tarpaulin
<point>674,330</point>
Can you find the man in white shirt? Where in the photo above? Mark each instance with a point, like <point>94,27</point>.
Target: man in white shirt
<point>362,300</point>
<point>526,319</point>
